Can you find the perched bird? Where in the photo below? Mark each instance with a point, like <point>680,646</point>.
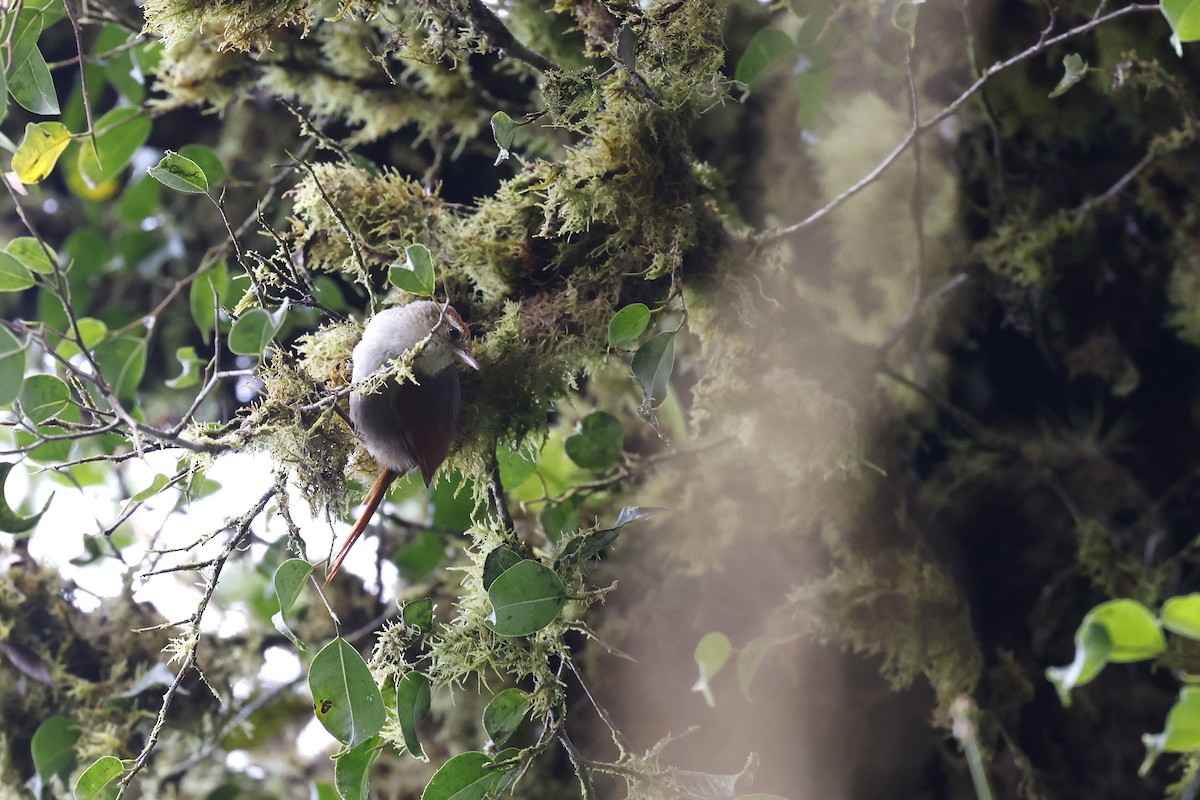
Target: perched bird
<point>407,424</point>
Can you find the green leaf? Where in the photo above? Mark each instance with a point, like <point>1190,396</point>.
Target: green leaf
<point>768,47</point>
<point>92,331</point>
<point>345,698</point>
<point>289,580</point>
<point>420,557</point>
<point>12,366</point>
<point>1092,649</point>
<point>208,161</point>
<point>652,365</point>
<point>1133,630</point>
<point>525,598</point>
<point>559,518</point>
<point>1074,69</point>
<point>207,293</point>
<point>352,769</point>
<point>592,543</point>
<point>499,561</point>
<point>1182,731</point>
<point>122,361</point>
<point>904,19</point>
<point>53,748</point>
<point>749,660</point>
<point>179,173</point>
<point>504,130</point>
<point>190,367</point>
<point>157,484</point>
<point>627,47</point>
<point>140,201</point>
<point>100,774</point>
<point>23,35</point>
<point>467,776</point>
<point>415,275</point>
<point>504,714</point>
<point>412,705</point>
<point>14,276</point>
<point>119,134</point>
<point>1184,18</point>
<point>515,467</point>
<point>10,521</point>
<point>253,331</point>
<point>1181,615</point>
<point>628,324</point>
<point>418,614</point>
<point>43,397</point>
<point>597,443</point>
<point>32,87</point>
<point>39,150</point>
<point>30,253</point>
<point>712,651</point>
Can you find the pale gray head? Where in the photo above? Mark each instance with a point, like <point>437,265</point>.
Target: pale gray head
<point>393,331</point>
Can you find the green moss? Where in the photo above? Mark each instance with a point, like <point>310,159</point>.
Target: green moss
<point>901,606</point>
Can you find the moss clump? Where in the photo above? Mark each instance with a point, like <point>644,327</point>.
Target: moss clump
<point>384,213</point>
<point>899,605</point>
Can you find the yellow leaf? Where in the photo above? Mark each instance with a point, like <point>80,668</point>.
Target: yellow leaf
<point>44,142</point>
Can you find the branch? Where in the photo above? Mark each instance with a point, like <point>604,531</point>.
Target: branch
<point>917,129</point>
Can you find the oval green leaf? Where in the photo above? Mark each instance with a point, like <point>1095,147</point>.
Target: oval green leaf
<point>43,397</point>
<point>30,252</point>
<point>1184,18</point>
<point>1181,733</point>
<point>1133,630</point>
<point>768,47</point>
<point>179,173</point>
<point>289,580</point>
<point>119,134</point>
<point>598,442</point>
<point>497,562</point>
<point>415,275</point>
<point>652,365</point>
<point>1181,615</point>
<point>99,775</point>
<point>1092,650</point>
<point>12,366</point>
<point>39,150</point>
<point>252,332</point>
<point>53,747</point>
<point>10,521</point>
<point>504,714</point>
<point>628,324</point>
<point>712,651</point>
<point>504,129</point>
<point>122,362</point>
<point>412,705</point>
<point>420,557</point>
<point>352,769</point>
<point>345,698</point>
<point>208,161</point>
<point>525,599</point>
<point>207,292</point>
<point>418,614</point>
<point>14,276</point>
<point>32,87</point>
<point>467,776</point>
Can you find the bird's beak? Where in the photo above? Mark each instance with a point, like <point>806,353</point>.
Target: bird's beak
<point>464,357</point>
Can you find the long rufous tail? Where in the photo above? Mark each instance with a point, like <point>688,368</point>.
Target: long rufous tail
<point>373,500</point>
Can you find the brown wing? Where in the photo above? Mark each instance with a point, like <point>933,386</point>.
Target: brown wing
<point>427,415</point>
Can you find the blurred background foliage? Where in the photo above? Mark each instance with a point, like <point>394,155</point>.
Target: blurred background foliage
<point>837,359</point>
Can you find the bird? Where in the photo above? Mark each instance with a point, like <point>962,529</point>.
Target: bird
<point>407,425</point>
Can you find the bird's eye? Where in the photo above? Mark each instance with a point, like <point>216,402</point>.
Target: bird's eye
<point>454,333</point>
